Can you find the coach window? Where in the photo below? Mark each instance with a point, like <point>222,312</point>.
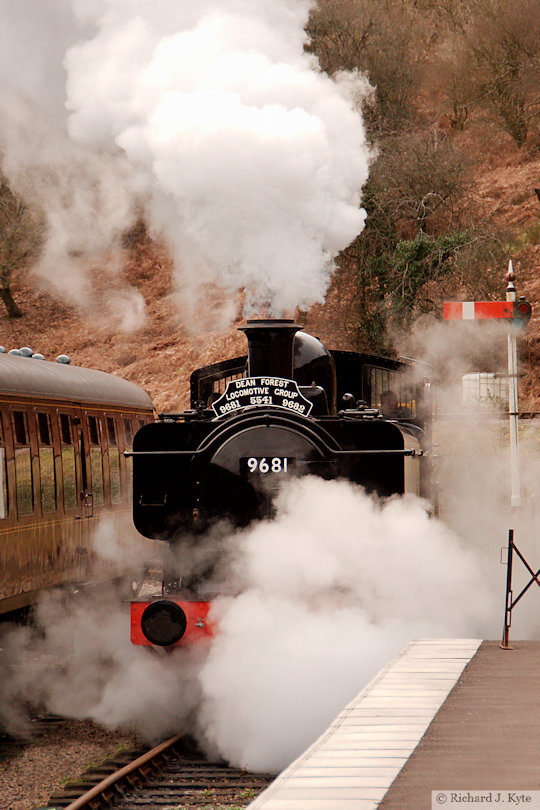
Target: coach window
<point>128,433</point>
<point>65,428</point>
<point>111,430</point>
<point>47,474</point>
<point>23,464</point>
<point>3,474</point>
<point>69,471</point>
<point>93,429</point>
<point>114,461</point>
<point>96,459</point>
<point>128,438</point>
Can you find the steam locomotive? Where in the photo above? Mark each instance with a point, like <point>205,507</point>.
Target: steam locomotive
<point>289,408</point>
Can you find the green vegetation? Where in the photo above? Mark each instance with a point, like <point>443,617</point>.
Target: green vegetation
<point>241,799</point>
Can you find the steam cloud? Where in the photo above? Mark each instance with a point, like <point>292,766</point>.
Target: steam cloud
<point>333,588</point>
<point>324,595</point>
<point>209,116</point>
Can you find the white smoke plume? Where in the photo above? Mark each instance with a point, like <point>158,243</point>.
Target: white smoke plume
<point>333,589</point>
<point>323,596</point>
<point>83,194</point>
<point>210,116</point>
<point>115,542</point>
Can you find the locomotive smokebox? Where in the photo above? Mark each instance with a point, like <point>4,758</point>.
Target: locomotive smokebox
<point>270,347</point>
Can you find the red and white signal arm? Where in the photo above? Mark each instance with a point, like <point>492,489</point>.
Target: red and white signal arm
<point>478,310</point>
<point>517,311</point>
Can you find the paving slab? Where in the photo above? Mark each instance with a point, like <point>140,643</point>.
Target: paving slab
<point>374,735</point>
<point>485,737</point>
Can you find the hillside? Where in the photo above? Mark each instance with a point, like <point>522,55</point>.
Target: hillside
<point>160,354</point>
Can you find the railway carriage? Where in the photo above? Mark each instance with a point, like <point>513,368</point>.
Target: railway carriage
<point>63,434</point>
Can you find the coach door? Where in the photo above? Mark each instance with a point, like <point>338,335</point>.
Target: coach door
<point>86,495</point>
<point>76,490</point>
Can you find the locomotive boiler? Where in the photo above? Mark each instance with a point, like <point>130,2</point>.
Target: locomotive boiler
<point>289,408</point>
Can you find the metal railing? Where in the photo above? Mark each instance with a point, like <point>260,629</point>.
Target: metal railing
<point>510,602</point>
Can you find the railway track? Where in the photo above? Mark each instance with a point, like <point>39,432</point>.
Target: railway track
<point>174,774</point>
<point>37,726</point>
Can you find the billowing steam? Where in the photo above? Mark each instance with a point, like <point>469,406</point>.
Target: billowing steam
<point>322,597</point>
<point>210,117</point>
<point>333,588</point>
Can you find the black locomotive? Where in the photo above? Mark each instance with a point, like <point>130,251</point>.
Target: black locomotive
<point>288,408</point>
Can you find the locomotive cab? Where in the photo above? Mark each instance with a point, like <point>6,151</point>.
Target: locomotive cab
<point>315,368</point>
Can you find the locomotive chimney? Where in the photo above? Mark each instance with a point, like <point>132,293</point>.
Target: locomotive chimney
<point>270,347</point>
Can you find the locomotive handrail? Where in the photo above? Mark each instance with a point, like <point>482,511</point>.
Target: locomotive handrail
<point>405,452</point>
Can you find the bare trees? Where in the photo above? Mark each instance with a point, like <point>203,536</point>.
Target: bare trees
<point>423,57</point>
<point>505,47</point>
<point>20,239</point>
<point>377,38</point>
<point>487,53</point>
<point>493,62</point>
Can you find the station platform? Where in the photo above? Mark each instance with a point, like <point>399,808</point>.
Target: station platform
<point>444,715</point>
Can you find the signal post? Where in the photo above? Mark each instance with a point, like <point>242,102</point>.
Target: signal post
<point>517,314</point>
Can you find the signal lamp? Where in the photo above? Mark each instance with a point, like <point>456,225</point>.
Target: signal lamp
<point>522,312</point>
<point>163,623</point>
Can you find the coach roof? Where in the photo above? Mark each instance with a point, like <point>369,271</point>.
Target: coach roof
<point>26,377</point>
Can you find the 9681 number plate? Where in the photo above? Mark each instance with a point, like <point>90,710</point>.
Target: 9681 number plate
<point>266,465</point>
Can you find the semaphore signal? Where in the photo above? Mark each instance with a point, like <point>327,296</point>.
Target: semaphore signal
<point>519,312</point>
<point>516,314</point>
<point>477,310</point>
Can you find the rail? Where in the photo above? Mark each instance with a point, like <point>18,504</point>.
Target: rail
<point>99,791</point>
<point>174,773</point>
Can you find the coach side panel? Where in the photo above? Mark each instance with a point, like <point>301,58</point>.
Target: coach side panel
<point>62,472</point>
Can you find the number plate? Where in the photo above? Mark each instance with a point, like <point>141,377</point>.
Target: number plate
<point>265,465</point>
